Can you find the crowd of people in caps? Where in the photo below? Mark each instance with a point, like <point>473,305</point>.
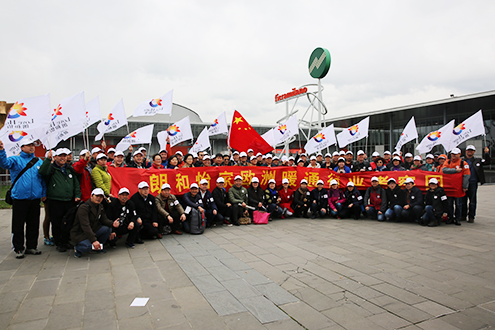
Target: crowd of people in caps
<point>85,216</point>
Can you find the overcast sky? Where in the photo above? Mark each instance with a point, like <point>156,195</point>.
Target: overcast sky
<point>236,55</point>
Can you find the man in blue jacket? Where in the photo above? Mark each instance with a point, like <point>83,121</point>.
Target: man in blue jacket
<point>26,196</point>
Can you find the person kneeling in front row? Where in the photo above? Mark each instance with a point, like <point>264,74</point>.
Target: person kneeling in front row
<point>91,227</point>
<point>170,209</point>
<point>238,196</point>
<point>353,202</point>
<point>437,205</point>
<point>123,210</point>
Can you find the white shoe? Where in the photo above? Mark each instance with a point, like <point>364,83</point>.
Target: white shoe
<point>288,213</point>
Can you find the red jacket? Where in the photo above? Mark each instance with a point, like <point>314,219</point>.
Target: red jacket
<point>85,181</point>
<point>286,198</point>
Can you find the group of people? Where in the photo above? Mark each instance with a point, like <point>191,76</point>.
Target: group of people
<point>85,215</point>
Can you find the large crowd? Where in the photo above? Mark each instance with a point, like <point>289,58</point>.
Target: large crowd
<point>85,216</point>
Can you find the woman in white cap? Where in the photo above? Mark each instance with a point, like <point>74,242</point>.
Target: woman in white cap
<point>396,198</point>
<point>256,195</point>
<point>335,199</point>
<point>396,165</point>
<point>286,198</point>
<point>319,201</point>
<point>313,163</point>
<point>353,202</point>
<point>302,200</point>
<point>379,165</point>
<point>375,201</point>
<point>188,161</point>
<point>272,199</point>
<point>101,178</point>
<point>341,166</point>
<point>430,164</point>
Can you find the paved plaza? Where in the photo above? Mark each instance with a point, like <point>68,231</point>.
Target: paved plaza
<point>289,274</point>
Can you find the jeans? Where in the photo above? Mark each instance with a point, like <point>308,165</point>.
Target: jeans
<point>458,207</point>
<point>429,214</point>
<point>101,236</point>
<point>338,206</point>
<point>471,193</point>
<point>413,213</point>
<point>393,212</point>
<point>316,210</point>
<point>274,210</point>
<point>373,214</point>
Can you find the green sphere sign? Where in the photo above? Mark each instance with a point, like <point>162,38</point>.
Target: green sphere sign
<point>319,63</point>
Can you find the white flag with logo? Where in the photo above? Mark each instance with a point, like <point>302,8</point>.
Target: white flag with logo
<point>469,128</point>
<point>408,134</point>
<point>140,136</point>
<point>440,136</point>
<point>269,137</point>
<point>67,120</point>
<point>354,133</point>
<point>93,113</point>
<point>323,139</point>
<point>219,126</point>
<point>115,120</point>
<point>284,131</point>
<point>178,132</point>
<point>27,119</point>
<point>151,107</point>
<point>202,143</point>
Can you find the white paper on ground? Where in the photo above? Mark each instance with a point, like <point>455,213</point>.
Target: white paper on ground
<point>139,302</point>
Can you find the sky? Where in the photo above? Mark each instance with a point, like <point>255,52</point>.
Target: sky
<point>236,55</point>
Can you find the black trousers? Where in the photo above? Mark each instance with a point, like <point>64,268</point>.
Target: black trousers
<point>25,212</point>
<point>57,211</point>
<point>237,212</point>
<point>149,231</point>
<point>353,212</point>
<point>300,210</point>
<point>175,225</point>
<point>122,230</point>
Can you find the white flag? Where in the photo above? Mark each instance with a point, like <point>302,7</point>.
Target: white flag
<point>323,139</point>
<point>27,120</point>
<point>471,127</point>
<point>269,137</point>
<point>440,136</point>
<point>114,120</point>
<point>284,131</point>
<point>67,120</point>
<point>151,107</point>
<point>140,136</point>
<point>178,132</point>
<point>408,134</point>
<point>202,143</point>
<point>162,140</point>
<point>219,126</point>
<point>93,113</point>
<point>354,133</point>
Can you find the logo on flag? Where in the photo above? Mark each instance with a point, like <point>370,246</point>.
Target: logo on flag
<point>156,103</point>
<point>282,129</point>
<point>459,128</point>
<point>319,137</point>
<point>109,119</point>
<point>16,136</point>
<point>56,112</point>
<point>215,123</point>
<point>131,135</point>
<point>173,130</point>
<point>433,136</point>
<point>17,110</point>
<point>353,130</point>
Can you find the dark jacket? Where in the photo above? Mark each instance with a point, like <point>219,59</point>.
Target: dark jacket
<point>359,166</point>
<point>171,203</point>
<point>145,209</point>
<point>414,197</point>
<point>438,199</point>
<point>238,195</point>
<point>62,184</point>
<point>376,198</point>
<point>221,198</point>
<point>353,197</point>
<point>255,196</point>
<point>478,164</point>
<point>89,219</point>
<point>320,196</point>
<point>125,213</point>
<point>395,197</point>
<point>192,202</point>
<point>271,198</point>
<point>208,201</point>
<point>301,197</point>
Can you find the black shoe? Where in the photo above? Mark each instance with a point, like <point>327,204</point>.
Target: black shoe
<point>457,222</point>
<point>19,255</point>
<point>130,245</point>
<point>432,223</point>
<point>77,254</point>
<point>33,251</point>
<point>61,248</point>
<point>236,223</point>
<point>139,241</point>
<point>470,220</point>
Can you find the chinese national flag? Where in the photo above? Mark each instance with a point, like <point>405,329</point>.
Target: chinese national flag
<point>243,137</point>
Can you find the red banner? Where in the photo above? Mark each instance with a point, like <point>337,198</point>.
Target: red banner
<point>181,179</point>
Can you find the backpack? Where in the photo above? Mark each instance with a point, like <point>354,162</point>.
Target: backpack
<point>197,224</point>
<point>68,221</point>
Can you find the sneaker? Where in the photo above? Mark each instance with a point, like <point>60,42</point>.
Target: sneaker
<point>130,245</point>
<point>32,251</point>
<point>77,254</point>
<point>457,222</point>
<point>19,255</point>
<point>227,223</point>
<point>48,242</point>
<point>139,241</point>
<point>101,251</point>
<point>61,248</point>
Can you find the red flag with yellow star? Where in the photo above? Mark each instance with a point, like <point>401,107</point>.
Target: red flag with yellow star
<point>243,137</point>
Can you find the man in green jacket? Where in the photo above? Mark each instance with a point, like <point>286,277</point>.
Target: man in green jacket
<point>62,191</point>
<point>238,196</point>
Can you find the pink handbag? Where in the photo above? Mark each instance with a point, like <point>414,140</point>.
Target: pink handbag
<point>260,217</point>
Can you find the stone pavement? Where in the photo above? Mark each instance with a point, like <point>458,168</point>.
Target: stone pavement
<point>289,274</point>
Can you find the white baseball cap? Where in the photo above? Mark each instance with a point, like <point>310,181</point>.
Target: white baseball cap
<point>409,180</point>
<point>395,153</point>
<point>97,191</point>
<point>67,151</point>
<point>123,190</point>
<point>275,157</point>
<point>312,158</point>
<point>165,186</point>
<point>253,157</point>
<point>238,177</point>
<point>341,153</point>
<point>284,158</point>
<point>319,182</point>
<point>456,151</point>
<point>25,142</point>
<point>433,180</point>
<point>250,150</point>
<point>418,157</point>
<point>118,153</point>
<point>263,157</point>
<point>300,160</point>
<point>235,152</point>
<point>206,157</point>
<point>194,185</point>
<point>350,184</point>
<point>387,153</point>
<point>243,154</point>
<point>430,156</point>
<point>319,154</point>
<point>179,153</point>
<point>143,184</point>
<point>254,179</point>
<point>268,156</point>
<point>349,152</point>
<point>111,150</point>
<point>396,158</point>
<point>61,151</point>
<point>220,180</point>
<point>341,159</point>
<point>408,155</point>
<point>100,156</point>
<point>335,153</point>
<point>291,158</point>
<point>137,152</point>
<point>203,181</point>
<point>259,154</point>
<point>470,147</point>
<point>142,149</point>
<point>83,152</point>
<point>360,152</point>
<point>95,150</point>
<point>304,181</point>
<point>328,155</point>
<point>375,178</point>
<point>271,181</point>
<point>375,154</point>
<point>303,154</point>
<point>333,182</point>
<point>391,179</point>
<point>285,180</point>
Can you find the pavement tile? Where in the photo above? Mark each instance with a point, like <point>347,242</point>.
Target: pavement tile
<point>193,268</point>
<point>99,282</point>
<point>98,300</point>
<point>287,324</point>
<point>433,308</point>
<point>124,309</point>
<point>10,301</point>
<point>207,284</point>
<point>205,318</point>
<point>189,297</point>
<point>436,324</point>
<point>156,290</point>
<point>388,320</point>
<point>19,283</point>
<point>100,319</point>
<point>34,309</point>
<point>253,277</point>
<point>263,309</point>
<point>208,261</point>
<point>224,303</point>
<point>307,316</point>
<point>276,294</point>
<point>140,322</point>
<point>235,264</point>
<point>242,321</point>
<point>241,289</point>
<point>166,313</point>
<point>65,316</point>
<point>315,299</point>
<point>398,293</point>
<point>44,288</point>
<point>31,325</point>
<point>223,273</point>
